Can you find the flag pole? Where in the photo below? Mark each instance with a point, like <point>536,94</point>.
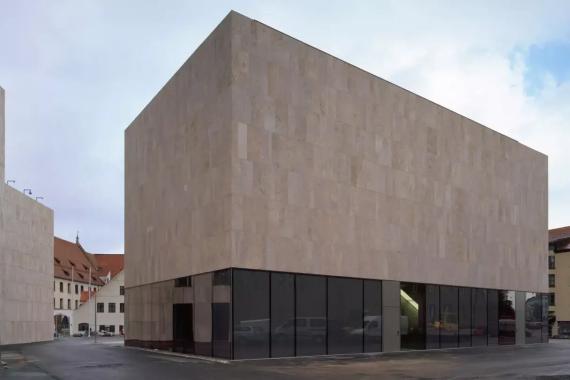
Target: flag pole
<point>89,298</point>
<point>71,306</point>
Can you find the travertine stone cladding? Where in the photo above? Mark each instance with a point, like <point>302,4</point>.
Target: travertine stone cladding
<point>336,171</point>
<point>263,152</point>
<point>26,269</point>
<point>26,262</point>
<point>2,133</point>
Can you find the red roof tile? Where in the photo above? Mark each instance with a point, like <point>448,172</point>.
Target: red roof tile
<point>72,262</point>
<point>558,234</point>
<point>113,263</point>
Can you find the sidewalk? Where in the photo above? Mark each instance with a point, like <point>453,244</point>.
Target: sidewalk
<point>18,367</point>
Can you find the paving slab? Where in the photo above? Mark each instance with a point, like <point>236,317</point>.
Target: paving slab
<point>77,358</point>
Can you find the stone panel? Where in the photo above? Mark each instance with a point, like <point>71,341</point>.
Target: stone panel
<point>336,171</point>
<point>26,269</point>
<point>263,152</point>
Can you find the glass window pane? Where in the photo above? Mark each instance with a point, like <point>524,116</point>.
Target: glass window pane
<point>479,317</point>
<point>311,309</point>
<point>372,316</point>
<point>282,314</point>
<point>251,314</point>
<point>448,313</point>
<point>413,316</point>
<point>545,322</point>
<point>492,317</point>
<point>221,318</point>
<point>533,318</point>
<point>202,313</point>
<point>507,323</point>
<point>344,328</point>
<point>464,317</point>
<point>432,317</point>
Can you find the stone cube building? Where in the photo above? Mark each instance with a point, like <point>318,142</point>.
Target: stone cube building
<point>26,262</point>
<point>282,202</point>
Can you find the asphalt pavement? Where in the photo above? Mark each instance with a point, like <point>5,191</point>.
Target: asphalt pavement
<point>81,358</point>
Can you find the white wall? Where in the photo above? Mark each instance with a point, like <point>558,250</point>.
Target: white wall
<point>109,293</point>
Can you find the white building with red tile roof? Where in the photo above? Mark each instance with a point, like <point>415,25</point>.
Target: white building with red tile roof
<point>78,275</point>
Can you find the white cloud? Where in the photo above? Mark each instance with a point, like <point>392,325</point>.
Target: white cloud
<point>468,57</point>
<point>77,73</point>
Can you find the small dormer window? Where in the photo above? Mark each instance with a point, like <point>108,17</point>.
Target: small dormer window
<point>66,272</point>
<point>57,260</point>
<point>72,263</point>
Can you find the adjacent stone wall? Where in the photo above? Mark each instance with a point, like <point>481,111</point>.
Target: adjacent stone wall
<point>26,262</point>
<point>26,269</point>
<point>2,134</point>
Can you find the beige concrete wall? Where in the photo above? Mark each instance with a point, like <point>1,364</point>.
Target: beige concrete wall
<point>336,171</point>
<point>26,262</point>
<point>26,269</point>
<point>2,134</point>
<point>263,152</point>
<point>177,172</point>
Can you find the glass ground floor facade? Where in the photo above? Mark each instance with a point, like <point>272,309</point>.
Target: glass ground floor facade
<point>247,314</point>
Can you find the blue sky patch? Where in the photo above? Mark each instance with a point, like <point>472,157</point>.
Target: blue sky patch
<point>552,58</point>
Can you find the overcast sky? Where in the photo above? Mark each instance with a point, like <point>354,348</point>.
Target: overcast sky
<point>76,73</point>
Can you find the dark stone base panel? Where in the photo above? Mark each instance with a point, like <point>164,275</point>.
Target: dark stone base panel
<point>166,345</point>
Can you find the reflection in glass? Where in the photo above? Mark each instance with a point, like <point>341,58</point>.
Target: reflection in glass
<point>202,310</point>
<point>372,316</point>
<point>492,317</point>
<point>464,317</point>
<point>251,314</point>
<point>221,330</point>
<point>413,316</point>
<point>432,316</point>
<point>282,315</point>
<point>507,322</point>
<point>448,315</point>
<point>533,318</point>
<point>221,318</point>
<point>345,323</point>
<point>479,317</point>
<point>545,322</point>
<point>311,322</point>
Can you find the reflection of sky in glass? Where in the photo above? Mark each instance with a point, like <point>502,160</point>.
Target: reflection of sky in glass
<point>511,297</point>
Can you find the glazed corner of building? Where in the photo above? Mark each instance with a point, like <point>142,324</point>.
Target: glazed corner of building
<point>263,157</point>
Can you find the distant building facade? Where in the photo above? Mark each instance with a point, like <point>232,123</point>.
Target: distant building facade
<point>559,281</point>
<point>78,276</point>
<point>26,270</point>
<point>104,310</point>
<point>281,202</point>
